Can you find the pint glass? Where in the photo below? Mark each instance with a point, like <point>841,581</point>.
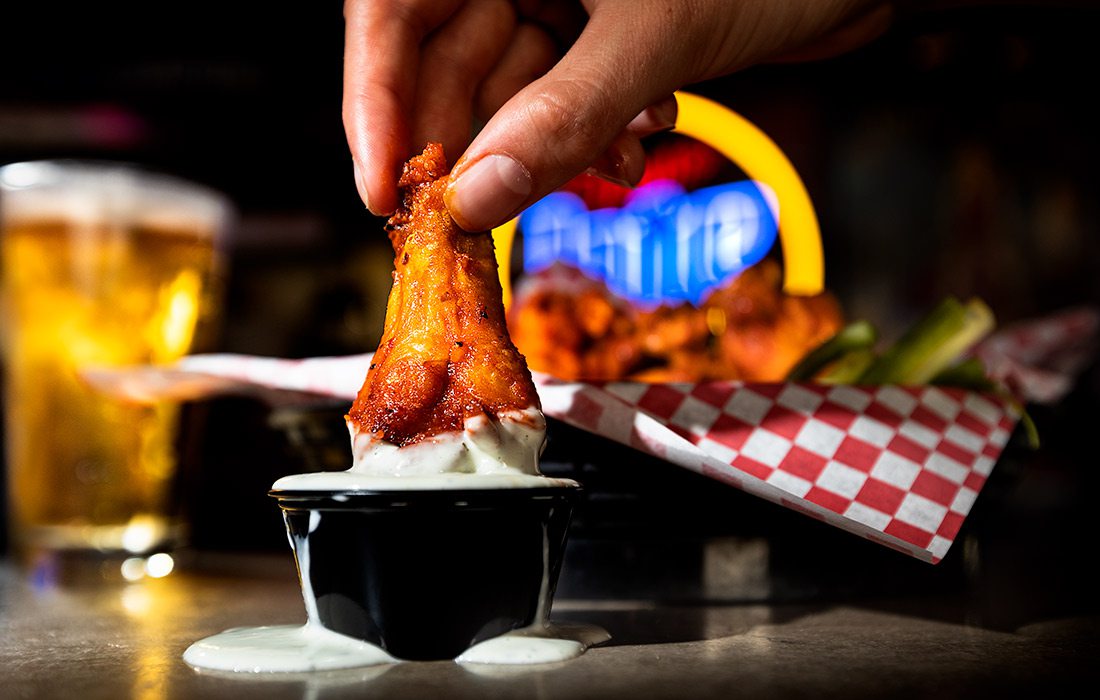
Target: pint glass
<point>102,265</point>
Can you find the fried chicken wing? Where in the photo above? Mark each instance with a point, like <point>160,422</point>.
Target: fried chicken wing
<point>748,329</point>
<point>445,354</point>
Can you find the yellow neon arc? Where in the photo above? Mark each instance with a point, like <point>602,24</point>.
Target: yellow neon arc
<point>751,150</point>
<point>762,160</point>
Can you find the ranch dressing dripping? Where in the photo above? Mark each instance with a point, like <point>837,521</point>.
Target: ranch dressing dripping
<point>312,647</point>
<point>501,452</point>
<point>540,642</point>
<point>286,648</point>
<point>487,454</point>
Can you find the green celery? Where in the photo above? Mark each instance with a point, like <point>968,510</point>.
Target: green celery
<point>934,343</point>
<point>858,335</point>
<point>968,374</point>
<point>849,368</point>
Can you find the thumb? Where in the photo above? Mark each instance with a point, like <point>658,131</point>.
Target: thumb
<point>571,119</point>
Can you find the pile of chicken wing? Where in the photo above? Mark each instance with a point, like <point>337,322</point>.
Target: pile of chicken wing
<point>574,328</point>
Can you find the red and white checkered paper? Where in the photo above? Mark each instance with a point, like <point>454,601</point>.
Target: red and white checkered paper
<point>901,466</point>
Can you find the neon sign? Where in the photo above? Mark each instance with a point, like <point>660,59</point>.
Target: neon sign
<point>688,162</point>
<point>663,245</point>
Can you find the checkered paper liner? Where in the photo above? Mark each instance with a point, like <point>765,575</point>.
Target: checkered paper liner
<point>1039,359</point>
<point>898,465</point>
<point>901,466</point>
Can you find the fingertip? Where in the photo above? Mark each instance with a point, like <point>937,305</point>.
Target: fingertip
<point>361,185</point>
<point>487,192</point>
<point>379,198</point>
<point>374,153</point>
<point>623,163</point>
<point>657,117</point>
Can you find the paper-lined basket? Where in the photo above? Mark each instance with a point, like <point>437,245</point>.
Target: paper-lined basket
<point>901,466</point>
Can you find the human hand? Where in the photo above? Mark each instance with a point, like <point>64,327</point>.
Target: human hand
<point>424,70</point>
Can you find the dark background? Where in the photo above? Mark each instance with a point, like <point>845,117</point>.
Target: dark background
<point>955,155</point>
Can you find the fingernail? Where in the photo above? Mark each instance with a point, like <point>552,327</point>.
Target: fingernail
<point>656,117</point>
<point>617,167</point>
<point>361,185</point>
<point>596,172</point>
<point>488,192</point>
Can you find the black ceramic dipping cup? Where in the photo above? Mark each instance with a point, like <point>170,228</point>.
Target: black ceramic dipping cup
<point>427,574</point>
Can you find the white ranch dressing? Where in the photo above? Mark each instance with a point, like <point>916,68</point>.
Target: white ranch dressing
<point>509,443</point>
<point>353,481</point>
<point>502,452</point>
<point>283,649</point>
<point>540,642</point>
<point>499,453</point>
<point>287,648</point>
<point>312,647</point>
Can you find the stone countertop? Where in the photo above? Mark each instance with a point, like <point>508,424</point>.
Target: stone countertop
<point>86,634</point>
<point>752,600</point>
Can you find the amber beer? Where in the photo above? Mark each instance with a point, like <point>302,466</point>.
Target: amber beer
<point>111,272</point>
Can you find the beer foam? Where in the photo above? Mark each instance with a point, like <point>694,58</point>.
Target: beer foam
<point>103,194</point>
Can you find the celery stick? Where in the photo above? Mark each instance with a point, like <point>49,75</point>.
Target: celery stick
<point>968,374</point>
<point>855,336</point>
<point>932,344</point>
<point>1031,431</point>
<point>849,368</point>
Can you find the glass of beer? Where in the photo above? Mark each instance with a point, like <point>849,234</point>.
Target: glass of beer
<point>102,265</point>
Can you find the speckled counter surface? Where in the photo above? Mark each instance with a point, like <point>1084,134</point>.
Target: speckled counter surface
<point>93,638</point>
<point>707,594</point>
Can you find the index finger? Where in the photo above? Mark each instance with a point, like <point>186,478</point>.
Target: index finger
<point>381,57</point>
